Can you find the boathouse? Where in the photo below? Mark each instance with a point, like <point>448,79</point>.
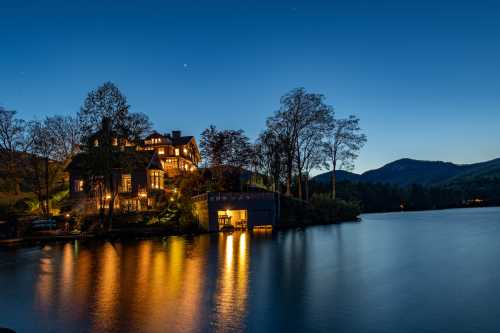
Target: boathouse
<point>215,210</point>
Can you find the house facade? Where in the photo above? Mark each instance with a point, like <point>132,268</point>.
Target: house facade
<point>140,172</point>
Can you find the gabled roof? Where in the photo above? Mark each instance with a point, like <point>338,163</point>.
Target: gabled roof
<point>155,163</point>
<point>182,140</point>
<point>155,135</point>
<point>140,160</point>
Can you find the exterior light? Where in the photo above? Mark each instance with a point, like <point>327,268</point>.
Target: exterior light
<point>108,196</point>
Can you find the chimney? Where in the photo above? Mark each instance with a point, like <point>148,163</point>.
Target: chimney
<point>106,124</point>
<point>176,134</point>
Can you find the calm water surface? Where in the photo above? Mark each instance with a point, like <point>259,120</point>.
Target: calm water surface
<point>401,272</point>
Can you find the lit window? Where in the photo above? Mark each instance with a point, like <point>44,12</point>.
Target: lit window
<point>156,179</point>
<point>126,183</point>
<point>185,151</point>
<point>96,143</point>
<point>177,152</point>
<point>78,185</point>
<point>161,151</point>
<point>115,142</point>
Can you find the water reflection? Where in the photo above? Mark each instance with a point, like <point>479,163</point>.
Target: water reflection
<point>232,289</point>
<point>147,286</point>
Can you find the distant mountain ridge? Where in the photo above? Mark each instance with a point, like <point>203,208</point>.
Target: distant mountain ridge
<point>408,171</point>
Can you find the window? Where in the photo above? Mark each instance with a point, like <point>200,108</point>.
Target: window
<point>161,151</point>
<point>185,151</point>
<point>170,163</point>
<point>78,186</point>
<point>126,183</point>
<point>114,142</point>
<point>156,179</point>
<point>96,143</point>
<point>177,152</point>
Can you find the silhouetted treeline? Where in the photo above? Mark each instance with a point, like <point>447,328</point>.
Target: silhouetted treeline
<point>377,197</point>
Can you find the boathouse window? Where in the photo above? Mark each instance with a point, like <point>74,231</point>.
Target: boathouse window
<point>127,183</point>
<point>156,179</point>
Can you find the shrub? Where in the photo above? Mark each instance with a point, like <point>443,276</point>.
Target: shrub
<point>338,210</point>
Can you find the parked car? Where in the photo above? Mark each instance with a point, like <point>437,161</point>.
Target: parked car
<point>44,224</point>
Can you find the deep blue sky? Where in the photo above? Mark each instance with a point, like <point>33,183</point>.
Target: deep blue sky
<point>423,76</point>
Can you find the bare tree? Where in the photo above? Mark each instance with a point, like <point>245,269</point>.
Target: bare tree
<point>14,143</point>
<point>137,125</point>
<point>343,142</point>
<point>225,148</point>
<point>54,143</point>
<point>269,157</point>
<point>300,111</point>
<point>309,141</point>
<point>107,101</point>
<point>311,154</point>
<point>105,112</point>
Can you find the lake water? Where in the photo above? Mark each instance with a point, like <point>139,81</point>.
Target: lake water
<point>433,271</point>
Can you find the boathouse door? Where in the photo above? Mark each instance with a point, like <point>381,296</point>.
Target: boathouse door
<point>231,217</point>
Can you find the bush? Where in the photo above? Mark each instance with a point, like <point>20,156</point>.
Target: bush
<point>330,211</point>
<point>177,215</point>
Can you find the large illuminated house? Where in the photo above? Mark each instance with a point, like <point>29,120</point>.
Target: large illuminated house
<point>141,183</point>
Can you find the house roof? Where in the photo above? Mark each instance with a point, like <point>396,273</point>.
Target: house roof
<point>139,160</point>
<point>182,140</point>
<point>155,163</point>
<point>155,135</point>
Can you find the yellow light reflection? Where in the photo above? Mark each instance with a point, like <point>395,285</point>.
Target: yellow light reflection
<point>232,291</point>
<point>108,287</point>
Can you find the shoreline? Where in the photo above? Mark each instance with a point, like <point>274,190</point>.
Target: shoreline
<point>161,232</point>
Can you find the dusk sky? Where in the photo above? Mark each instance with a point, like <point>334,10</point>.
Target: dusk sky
<point>423,76</point>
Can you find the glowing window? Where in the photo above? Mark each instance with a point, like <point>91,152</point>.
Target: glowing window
<point>177,152</point>
<point>161,151</point>
<point>126,183</point>
<point>156,179</point>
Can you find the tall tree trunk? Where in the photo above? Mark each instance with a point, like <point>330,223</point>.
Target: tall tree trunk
<point>307,187</point>
<point>299,169</point>
<point>288,181</point>
<point>334,183</point>
<point>47,208</point>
